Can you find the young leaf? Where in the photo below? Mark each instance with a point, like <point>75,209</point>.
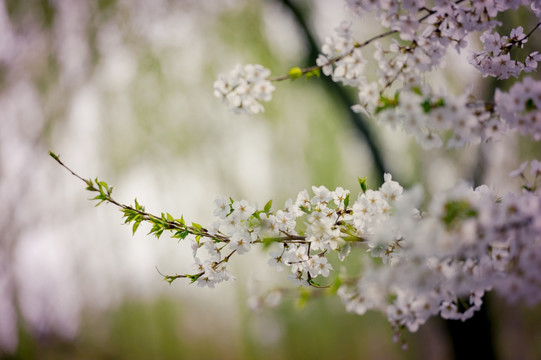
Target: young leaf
<point>135,226</point>
<point>313,73</point>
<point>54,156</point>
<point>346,201</point>
<point>295,73</point>
<point>181,234</point>
<point>267,207</point>
<point>362,182</point>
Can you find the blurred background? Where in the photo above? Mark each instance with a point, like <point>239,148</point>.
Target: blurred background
<point>122,90</point>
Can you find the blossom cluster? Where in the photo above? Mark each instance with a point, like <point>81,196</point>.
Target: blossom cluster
<point>521,107</point>
<point>420,257</point>
<point>495,59</point>
<point>438,262</point>
<point>427,32</point>
<point>244,88</point>
<point>341,59</point>
<point>400,97</point>
<point>424,263</point>
<point>425,35</point>
<point>417,264</point>
<point>470,241</point>
<point>305,231</point>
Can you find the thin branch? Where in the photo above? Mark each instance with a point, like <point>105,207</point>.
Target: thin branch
<point>355,46</point>
<point>340,94</point>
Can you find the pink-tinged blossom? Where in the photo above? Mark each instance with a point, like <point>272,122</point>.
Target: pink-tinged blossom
<point>535,167</point>
<point>520,107</point>
<point>435,260</point>
<point>520,170</point>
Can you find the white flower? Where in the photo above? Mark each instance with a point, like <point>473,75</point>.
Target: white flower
<point>319,266</point>
<point>243,209</point>
<point>322,195</point>
<point>303,199</point>
<point>339,195</point>
<point>222,207</point>
<point>519,171</point>
<point>390,190</point>
<point>297,258</point>
<point>277,260</point>
<point>535,167</point>
<point>285,221</point>
<point>240,241</point>
<point>244,88</point>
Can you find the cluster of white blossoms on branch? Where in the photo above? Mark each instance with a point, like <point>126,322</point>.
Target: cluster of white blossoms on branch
<point>341,59</point>
<point>424,263</point>
<point>244,88</point>
<point>418,263</point>
<point>468,242</point>
<point>495,59</point>
<point>305,230</point>
<point>520,108</point>
<point>426,30</point>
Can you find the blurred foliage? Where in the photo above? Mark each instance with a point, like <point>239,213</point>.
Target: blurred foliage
<point>140,330</point>
<point>321,330</point>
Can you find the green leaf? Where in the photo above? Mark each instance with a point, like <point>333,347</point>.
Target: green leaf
<point>255,215</point>
<point>193,278</point>
<point>362,182</point>
<point>456,211</point>
<point>181,234</point>
<point>54,156</point>
<point>304,209</point>
<point>439,103</point>
<point>346,201</point>
<point>135,226</point>
<point>170,278</point>
<point>313,73</point>
<point>100,197</point>
<point>231,201</point>
<point>387,103</point>
<point>391,298</point>
<point>530,105</point>
<point>349,229</point>
<point>267,207</point>
<point>294,73</point>
<point>426,106</point>
<point>417,90</point>
<point>90,185</point>
<point>103,186</point>
<point>267,242</point>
